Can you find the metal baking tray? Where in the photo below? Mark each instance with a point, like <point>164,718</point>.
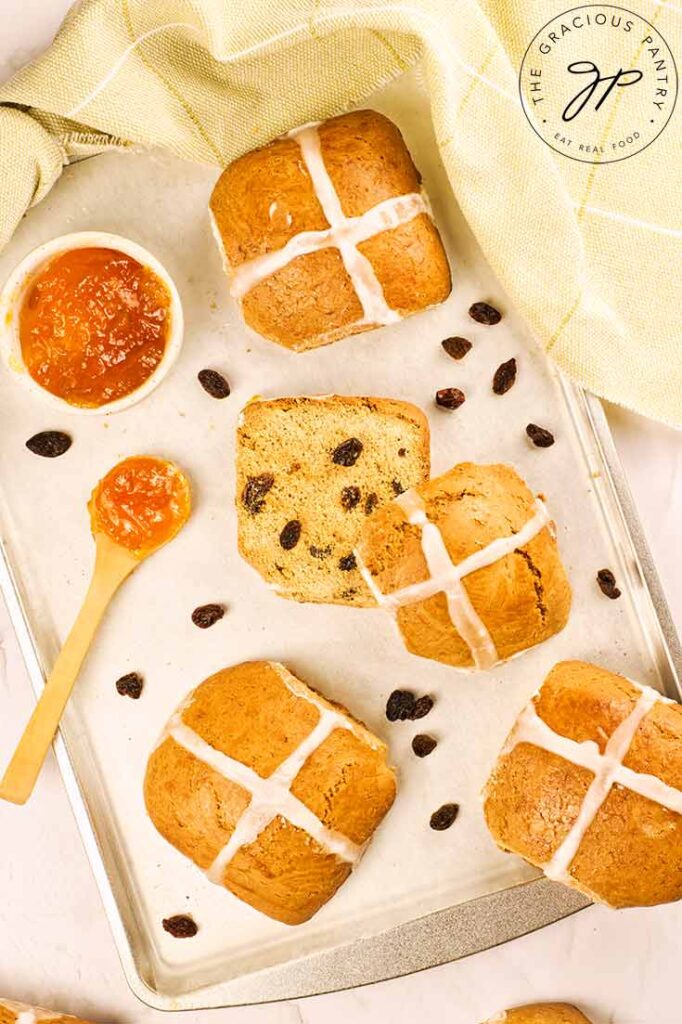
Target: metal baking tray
<point>419,898</point>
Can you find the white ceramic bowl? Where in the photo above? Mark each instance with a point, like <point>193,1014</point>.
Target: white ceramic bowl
<point>12,296</point>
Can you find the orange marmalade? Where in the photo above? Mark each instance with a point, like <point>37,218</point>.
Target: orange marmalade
<point>93,325</point>
<point>141,503</point>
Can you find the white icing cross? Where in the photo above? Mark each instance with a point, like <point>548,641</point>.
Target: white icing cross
<point>344,234</point>
<point>608,770</point>
<point>270,797</point>
<point>446,577</point>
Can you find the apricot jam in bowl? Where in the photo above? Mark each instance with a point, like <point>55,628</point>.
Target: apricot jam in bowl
<point>90,321</point>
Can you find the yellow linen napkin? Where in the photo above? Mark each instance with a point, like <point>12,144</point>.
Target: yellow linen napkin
<point>590,255</point>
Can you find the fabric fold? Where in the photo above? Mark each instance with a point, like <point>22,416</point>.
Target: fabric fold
<point>587,254</point>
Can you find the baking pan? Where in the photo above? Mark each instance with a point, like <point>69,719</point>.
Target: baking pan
<point>419,898</point>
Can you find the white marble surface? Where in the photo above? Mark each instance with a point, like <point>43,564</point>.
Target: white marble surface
<point>55,946</point>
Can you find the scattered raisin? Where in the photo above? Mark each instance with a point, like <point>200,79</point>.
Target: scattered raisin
<point>371,502</point>
<point>444,817</point>
<point>49,443</point>
<point>348,452</point>
<point>214,383</point>
<point>421,708</point>
<point>400,705</point>
<point>457,348</point>
<point>607,583</point>
<point>180,926</point>
<point>402,452</point>
<point>484,313</point>
<point>207,615</point>
<point>423,745</point>
<point>320,553</point>
<point>450,398</point>
<point>350,497</point>
<point>505,377</point>
<point>347,563</point>
<point>255,489</point>
<point>397,487</point>
<point>290,535</point>
<point>130,685</point>
<point>540,437</point>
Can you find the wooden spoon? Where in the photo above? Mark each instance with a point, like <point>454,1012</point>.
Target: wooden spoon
<point>126,531</point>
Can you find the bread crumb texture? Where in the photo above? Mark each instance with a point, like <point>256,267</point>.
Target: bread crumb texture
<point>310,473</point>
<point>258,714</point>
<point>631,854</point>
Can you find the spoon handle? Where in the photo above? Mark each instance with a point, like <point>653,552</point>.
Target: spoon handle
<point>112,565</point>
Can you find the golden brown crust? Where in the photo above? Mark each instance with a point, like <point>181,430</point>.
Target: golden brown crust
<point>631,854</point>
<point>192,806</point>
<point>542,1013</point>
<point>522,599</point>
<point>285,874</point>
<point>10,1010</point>
<point>243,194</point>
<point>258,714</point>
<point>293,440</point>
<point>266,197</point>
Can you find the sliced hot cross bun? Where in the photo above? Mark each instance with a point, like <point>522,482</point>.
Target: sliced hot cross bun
<point>21,1013</point>
<point>310,472</point>
<point>588,787</point>
<point>469,566</point>
<point>325,232</point>
<point>269,788</point>
<point>540,1013</point>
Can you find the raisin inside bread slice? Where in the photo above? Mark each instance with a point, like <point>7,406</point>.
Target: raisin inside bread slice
<point>309,473</point>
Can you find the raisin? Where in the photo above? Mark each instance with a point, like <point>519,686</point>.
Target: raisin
<point>450,398</point>
<point>207,615</point>
<point>540,437</point>
<point>457,348</point>
<point>347,563</point>
<point>444,817</point>
<point>607,583</point>
<point>49,443</point>
<point>214,383</point>
<point>371,502</point>
<point>255,489</point>
<point>320,553</point>
<point>180,926</point>
<point>505,377</point>
<point>400,705</point>
<point>348,452</point>
<point>484,313</point>
<point>350,497</point>
<point>130,685</point>
<point>421,708</point>
<point>402,452</point>
<point>290,535</point>
<point>397,487</point>
<point>423,745</point>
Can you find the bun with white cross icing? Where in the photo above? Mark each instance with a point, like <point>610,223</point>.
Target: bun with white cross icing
<point>21,1013</point>
<point>270,789</point>
<point>325,232</point>
<point>310,472</point>
<point>468,565</point>
<point>588,787</point>
<point>540,1013</point>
